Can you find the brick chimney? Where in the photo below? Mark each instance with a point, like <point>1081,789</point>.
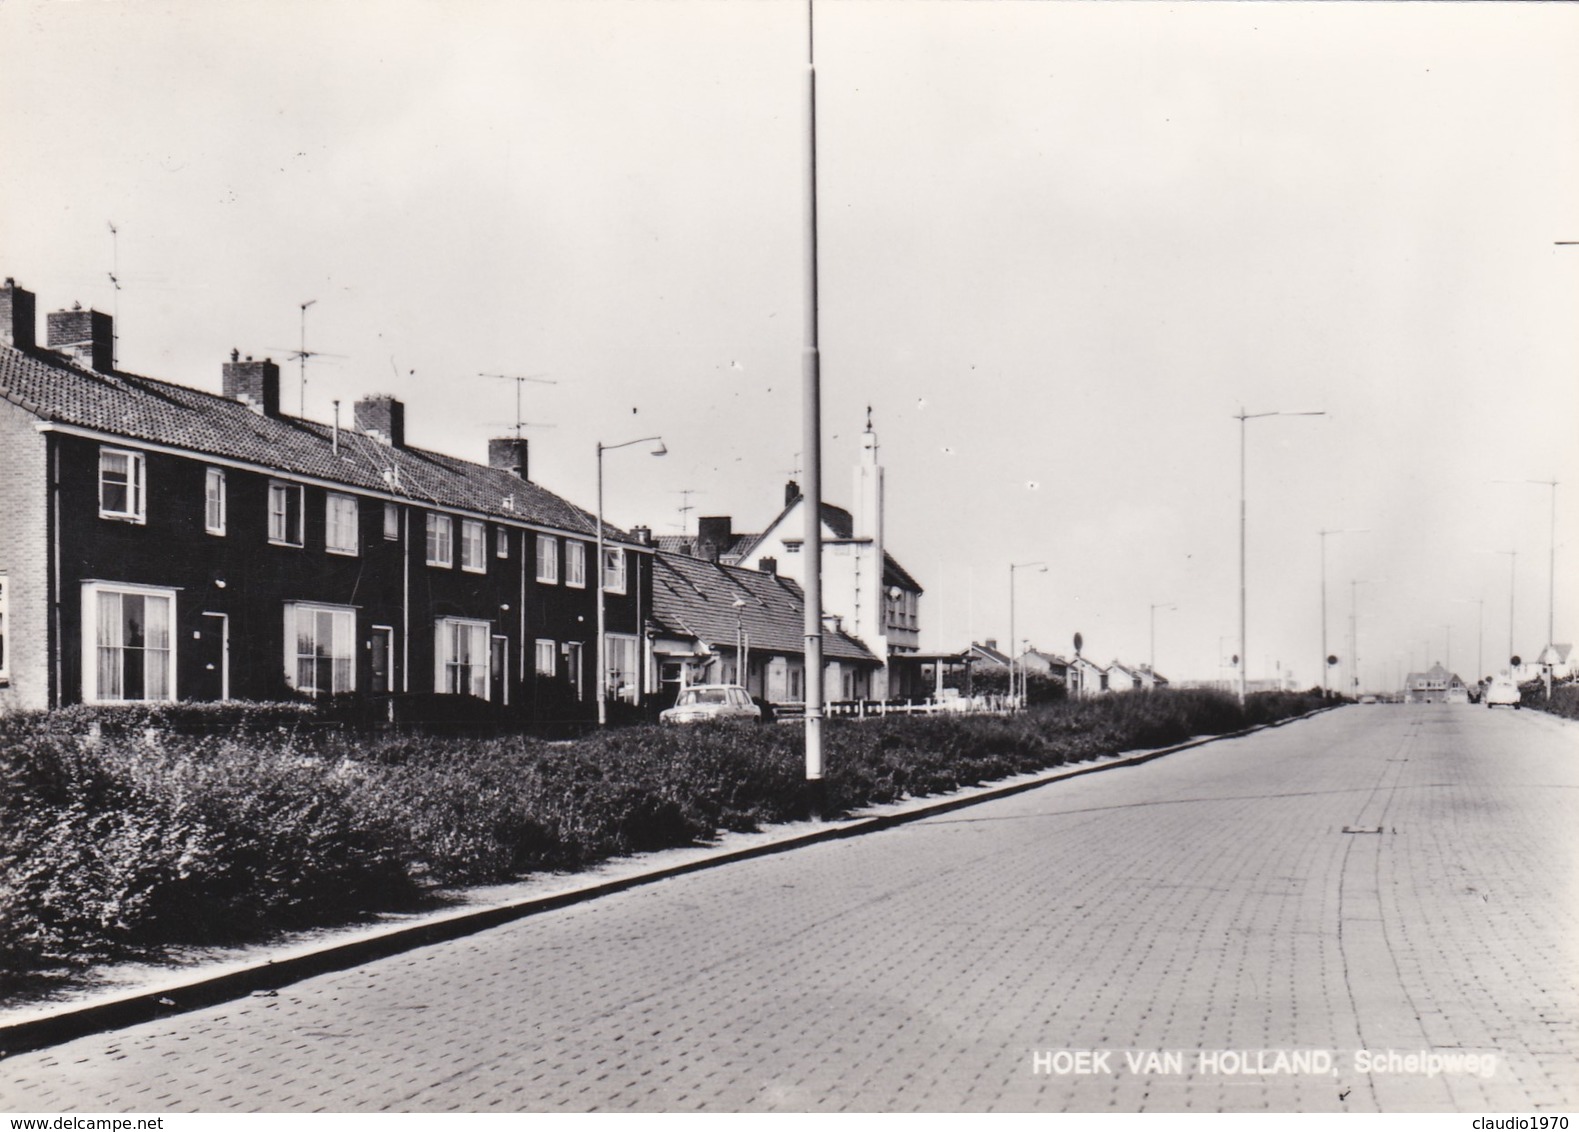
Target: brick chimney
<point>18,317</point>
<point>768,565</point>
<point>642,535</point>
<point>383,418</point>
<point>87,335</point>
<point>509,453</point>
<point>255,384</point>
<point>791,492</point>
<point>714,533</point>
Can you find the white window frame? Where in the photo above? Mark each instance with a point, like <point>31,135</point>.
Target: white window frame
<point>614,581</point>
<point>342,633</point>
<point>546,657</point>
<point>391,523</point>
<point>280,532</point>
<point>443,543</point>
<point>501,542</point>
<point>91,645</point>
<point>214,501</point>
<point>474,672</point>
<point>617,648</point>
<point>335,531</point>
<point>136,510</point>
<point>548,560</point>
<point>474,546</point>
<point>575,564</point>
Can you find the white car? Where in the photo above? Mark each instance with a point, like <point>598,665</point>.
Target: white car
<point>1504,692</point>
<point>711,701</point>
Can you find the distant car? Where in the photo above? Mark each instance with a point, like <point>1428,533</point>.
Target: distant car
<point>1504,692</point>
<point>1368,699</point>
<point>702,702</point>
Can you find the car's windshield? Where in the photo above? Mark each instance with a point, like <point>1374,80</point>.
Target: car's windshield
<point>705,696</point>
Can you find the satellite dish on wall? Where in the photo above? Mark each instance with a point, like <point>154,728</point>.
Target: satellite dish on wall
<point>1079,640</point>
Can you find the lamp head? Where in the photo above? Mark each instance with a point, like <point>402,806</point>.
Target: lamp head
<point>661,450</point>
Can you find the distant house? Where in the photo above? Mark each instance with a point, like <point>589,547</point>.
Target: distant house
<point>988,655</point>
<point>1085,679</point>
<point>714,624</point>
<point>875,599</point>
<point>1436,685</point>
<point>1045,663</point>
<point>1561,659</point>
<point>159,542</point>
<point>1123,678</point>
<point>1150,680</point>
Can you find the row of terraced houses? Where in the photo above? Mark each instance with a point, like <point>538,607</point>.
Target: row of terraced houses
<point>159,542</point>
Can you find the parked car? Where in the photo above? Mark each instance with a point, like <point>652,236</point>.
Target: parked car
<point>1368,699</point>
<point>711,701</point>
<point>1504,692</point>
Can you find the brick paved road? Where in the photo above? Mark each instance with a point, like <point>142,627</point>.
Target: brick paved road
<point>1207,901</point>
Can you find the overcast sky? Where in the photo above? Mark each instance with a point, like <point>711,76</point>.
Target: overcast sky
<point>1061,245</point>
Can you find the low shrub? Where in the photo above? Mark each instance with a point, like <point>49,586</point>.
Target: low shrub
<point>124,831</point>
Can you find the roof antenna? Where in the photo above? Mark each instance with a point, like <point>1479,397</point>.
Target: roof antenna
<point>520,380</point>
<point>301,357</point>
<point>115,269</point>
<point>336,433</point>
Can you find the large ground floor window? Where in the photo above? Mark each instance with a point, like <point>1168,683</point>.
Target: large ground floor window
<point>461,652</point>
<point>128,647</point>
<point>623,655</point>
<point>320,648</point>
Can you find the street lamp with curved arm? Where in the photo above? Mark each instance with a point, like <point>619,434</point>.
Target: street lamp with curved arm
<point>602,645</point>
<point>1241,416</point>
<point>1324,653</point>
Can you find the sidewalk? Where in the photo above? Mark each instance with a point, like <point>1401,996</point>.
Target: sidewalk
<point>138,993</point>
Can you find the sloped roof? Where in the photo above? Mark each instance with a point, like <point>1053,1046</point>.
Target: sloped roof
<point>840,522</point>
<point>690,545</point>
<point>53,388</point>
<point>990,653</point>
<point>694,598</point>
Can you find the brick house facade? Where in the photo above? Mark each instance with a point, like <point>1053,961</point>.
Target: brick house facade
<point>158,542</point>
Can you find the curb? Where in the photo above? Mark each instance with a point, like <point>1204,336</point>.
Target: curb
<point>135,1007</point>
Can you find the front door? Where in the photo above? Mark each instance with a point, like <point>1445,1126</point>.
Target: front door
<point>498,671</point>
<point>382,648</point>
<point>212,680</point>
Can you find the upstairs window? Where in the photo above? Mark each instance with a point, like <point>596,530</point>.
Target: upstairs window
<point>441,540</point>
<point>547,559</point>
<point>576,564</point>
<point>121,494</point>
<point>214,502</point>
<point>613,570</point>
<point>391,522</point>
<point>474,546</point>
<point>340,524</point>
<point>285,514</point>
<point>502,541</point>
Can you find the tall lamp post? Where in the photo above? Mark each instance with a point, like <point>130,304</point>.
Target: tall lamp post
<point>1014,699</point>
<point>1242,417</point>
<point>1324,654</point>
<point>1513,559</point>
<point>1354,635</point>
<point>1551,566</point>
<point>1480,633</point>
<point>1153,658</point>
<point>602,645</point>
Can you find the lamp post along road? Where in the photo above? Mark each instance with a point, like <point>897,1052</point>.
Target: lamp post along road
<point>1480,633</point>
<point>1324,653</point>
<point>1551,565</point>
<point>811,427</point>
<point>1014,699</point>
<point>600,651</point>
<point>1242,417</point>
<point>1152,660</point>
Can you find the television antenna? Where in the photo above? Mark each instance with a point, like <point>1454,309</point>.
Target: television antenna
<point>302,353</point>
<point>115,282</point>
<point>520,380</point>
<point>685,494</point>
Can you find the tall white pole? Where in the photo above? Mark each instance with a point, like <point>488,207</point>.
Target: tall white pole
<point>598,651</point>
<point>811,423</point>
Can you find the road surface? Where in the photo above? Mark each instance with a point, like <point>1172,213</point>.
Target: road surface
<point>1221,929</point>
